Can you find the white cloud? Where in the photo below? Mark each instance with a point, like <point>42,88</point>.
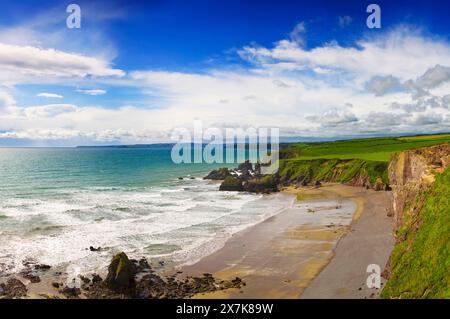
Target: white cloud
<point>297,34</point>
<point>33,61</point>
<point>327,90</point>
<point>401,53</point>
<point>93,92</point>
<point>6,100</point>
<point>50,95</point>
<point>433,77</point>
<point>382,85</point>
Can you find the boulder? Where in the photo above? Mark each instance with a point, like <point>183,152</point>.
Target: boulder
<point>231,184</point>
<point>121,273</point>
<point>265,184</point>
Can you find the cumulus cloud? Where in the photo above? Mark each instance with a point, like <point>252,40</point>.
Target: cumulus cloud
<point>50,95</point>
<point>93,92</point>
<point>326,90</point>
<point>433,77</point>
<point>401,53</point>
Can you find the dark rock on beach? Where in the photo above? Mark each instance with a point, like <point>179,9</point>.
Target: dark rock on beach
<point>140,281</point>
<point>245,178</point>
<point>120,273</point>
<point>70,292</point>
<point>264,184</point>
<point>12,289</point>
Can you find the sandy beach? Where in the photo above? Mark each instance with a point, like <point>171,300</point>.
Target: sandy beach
<point>319,248</point>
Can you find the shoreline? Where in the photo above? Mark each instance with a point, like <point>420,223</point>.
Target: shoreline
<point>284,256</point>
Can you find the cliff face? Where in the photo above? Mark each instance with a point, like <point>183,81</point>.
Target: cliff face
<point>413,172</point>
<point>354,172</point>
<point>419,265</point>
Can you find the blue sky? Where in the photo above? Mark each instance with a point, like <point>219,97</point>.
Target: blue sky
<point>136,71</point>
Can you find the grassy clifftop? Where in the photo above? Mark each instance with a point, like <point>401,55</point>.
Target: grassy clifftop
<point>420,264</point>
<point>359,162</point>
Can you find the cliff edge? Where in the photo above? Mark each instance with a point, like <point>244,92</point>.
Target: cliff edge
<point>419,265</point>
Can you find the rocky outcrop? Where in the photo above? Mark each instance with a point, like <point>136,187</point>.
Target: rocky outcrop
<point>129,278</point>
<point>219,174</point>
<point>120,273</point>
<point>262,184</point>
<point>412,172</point>
<point>231,184</point>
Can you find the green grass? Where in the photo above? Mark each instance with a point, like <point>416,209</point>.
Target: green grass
<point>420,265</point>
<point>371,149</point>
<point>332,170</point>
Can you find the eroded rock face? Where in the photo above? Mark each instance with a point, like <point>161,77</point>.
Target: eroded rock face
<point>412,172</point>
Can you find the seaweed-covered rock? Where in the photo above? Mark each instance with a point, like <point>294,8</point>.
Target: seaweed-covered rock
<point>265,184</point>
<point>219,174</point>
<point>231,184</point>
<point>121,273</point>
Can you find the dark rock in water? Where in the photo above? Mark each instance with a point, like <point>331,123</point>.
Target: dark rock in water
<point>219,174</point>
<point>95,249</point>
<point>121,273</point>
<point>265,184</point>
<point>42,267</point>
<point>31,275</point>
<point>231,184</point>
<point>180,178</point>
<point>85,279</point>
<point>13,288</point>
<point>192,177</point>
<point>96,278</point>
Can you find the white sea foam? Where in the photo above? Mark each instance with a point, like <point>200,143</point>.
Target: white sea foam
<point>183,223</point>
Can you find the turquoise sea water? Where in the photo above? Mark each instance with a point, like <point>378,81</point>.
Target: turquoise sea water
<point>56,202</point>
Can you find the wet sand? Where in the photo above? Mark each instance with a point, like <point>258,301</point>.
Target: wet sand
<point>369,242</point>
<point>282,256</point>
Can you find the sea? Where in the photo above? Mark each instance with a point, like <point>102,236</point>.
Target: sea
<point>56,203</point>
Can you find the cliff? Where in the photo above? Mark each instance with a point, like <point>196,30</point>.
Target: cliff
<point>419,265</point>
<point>355,172</point>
